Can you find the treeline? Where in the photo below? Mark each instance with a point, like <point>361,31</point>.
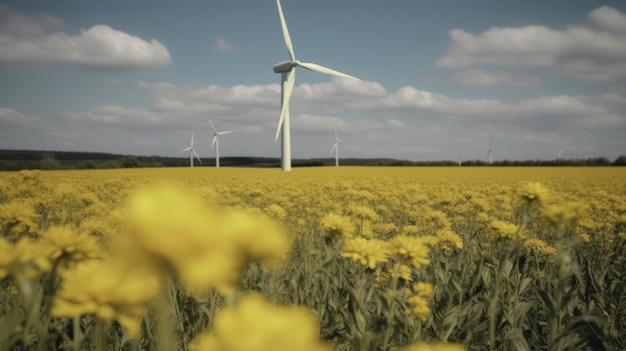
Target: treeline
<point>15,160</point>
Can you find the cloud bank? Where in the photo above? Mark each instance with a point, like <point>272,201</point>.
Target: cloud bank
<point>592,51</point>
<point>32,41</point>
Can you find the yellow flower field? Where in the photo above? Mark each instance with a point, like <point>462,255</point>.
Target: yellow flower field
<point>349,258</point>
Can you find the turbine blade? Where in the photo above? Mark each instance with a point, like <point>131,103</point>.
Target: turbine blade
<point>285,31</point>
<point>291,79</point>
<point>185,149</point>
<point>226,132</point>
<point>195,154</point>
<point>336,137</point>
<point>333,149</point>
<point>213,143</point>
<point>211,123</point>
<point>191,139</point>
<point>325,70</point>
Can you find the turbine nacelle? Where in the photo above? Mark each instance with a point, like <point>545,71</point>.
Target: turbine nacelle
<point>285,66</point>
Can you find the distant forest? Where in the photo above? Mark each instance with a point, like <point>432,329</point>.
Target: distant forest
<point>15,160</point>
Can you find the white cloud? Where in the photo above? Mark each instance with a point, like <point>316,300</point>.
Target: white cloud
<point>224,46</point>
<point>27,41</point>
<point>482,78</point>
<point>595,51</point>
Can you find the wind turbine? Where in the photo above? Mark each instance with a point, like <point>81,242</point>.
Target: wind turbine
<point>489,153</point>
<point>192,152</point>
<point>336,148</point>
<point>288,78</point>
<point>216,142</point>
<point>459,160</point>
<point>560,153</point>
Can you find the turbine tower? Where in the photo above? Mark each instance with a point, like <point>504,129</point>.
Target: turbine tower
<point>288,77</point>
<point>192,152</point>
<point>336,148</point>
<point>216,142</point>
<point>489,156</point>
<point>459,159</point>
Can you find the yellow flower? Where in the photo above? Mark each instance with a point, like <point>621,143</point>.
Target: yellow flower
<point>255,325</point>
<point>418,306</point>
<point>107,289</point>
<point>70,245</point>
<point>404,272</point>
<point>423,289</point>
<point>449,239</point>
<point>502,229</point>
<point>335,225</point>
<point>539,246</point>
<point>276,211</point>
<point>409,249</point>
<point>366,252</point>
<point>440,346</point>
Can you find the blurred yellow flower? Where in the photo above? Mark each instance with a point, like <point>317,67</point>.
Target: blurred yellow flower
<point>256,325</point>
<point>534,194</point>
<point>207,248</point>
<point>69,245</point>
<point>24,251</point>
<point>108,289</point>
<point>17,213</point>
<point>564,214</point>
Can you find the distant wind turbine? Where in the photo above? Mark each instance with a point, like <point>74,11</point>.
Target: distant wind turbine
<point>560,153</point>
<point>288,77</point>
<point>459,160</point>
<point>489,156</point>
<point>216,142</point>
<point>336,148</point>
<point>192,152</point>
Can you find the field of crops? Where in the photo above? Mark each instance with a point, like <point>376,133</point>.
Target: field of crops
<point>349,258</point>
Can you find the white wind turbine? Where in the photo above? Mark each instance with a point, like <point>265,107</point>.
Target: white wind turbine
<point>216,142</point>
<point>192,152</point>
<point>459,159</point>
<point>560,153</point>
<point>288,77</point>
<point>489,156</point>
<point>336,148</point>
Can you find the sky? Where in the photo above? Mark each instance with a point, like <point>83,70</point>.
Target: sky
<point>439,79</point>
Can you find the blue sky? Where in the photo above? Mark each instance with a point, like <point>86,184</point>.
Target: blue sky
<point>439,78</point>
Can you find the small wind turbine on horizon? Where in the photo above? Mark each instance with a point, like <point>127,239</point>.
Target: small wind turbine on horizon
<point>459,159</point>
<point>489,156</point>
<point>288,77</point>
<point>336,148</point>
<point>216,142</point>
<point>192,152</point>
<point>560,153</point>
